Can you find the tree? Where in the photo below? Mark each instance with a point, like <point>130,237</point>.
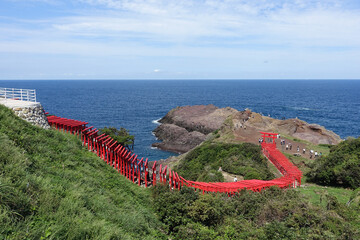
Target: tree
<point>121,135</point>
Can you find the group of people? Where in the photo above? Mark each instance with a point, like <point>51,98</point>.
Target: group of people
<point>316,154</point>
<point>311,152</point>
<point>261,140</point>
<point>288,146</point>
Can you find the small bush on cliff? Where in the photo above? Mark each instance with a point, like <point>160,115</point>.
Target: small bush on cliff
<point>341,167</point>
<point>245,159</point>
<point>121,135</point>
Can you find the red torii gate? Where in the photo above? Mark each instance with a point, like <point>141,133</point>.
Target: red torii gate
<point>273,136</point>
<point>129,165</point>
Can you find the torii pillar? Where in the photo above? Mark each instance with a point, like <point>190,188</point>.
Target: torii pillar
<point>269,135</point>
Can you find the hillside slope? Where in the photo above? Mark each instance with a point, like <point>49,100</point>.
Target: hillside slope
<point>341,167</point>
<point>244,160</point>
<point>52,188</point>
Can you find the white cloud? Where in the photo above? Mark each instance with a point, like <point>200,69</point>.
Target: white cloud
<point>194,33</point>
<point>300,23</point>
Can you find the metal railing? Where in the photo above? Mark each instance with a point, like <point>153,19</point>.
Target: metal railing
<point>28,95</point>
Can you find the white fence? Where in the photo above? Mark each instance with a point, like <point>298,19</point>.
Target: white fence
<point>28,95</point>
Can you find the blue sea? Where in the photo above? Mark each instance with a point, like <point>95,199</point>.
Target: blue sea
<point>137,104</point>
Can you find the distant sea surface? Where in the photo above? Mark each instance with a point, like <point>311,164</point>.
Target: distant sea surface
<point>137,104</point>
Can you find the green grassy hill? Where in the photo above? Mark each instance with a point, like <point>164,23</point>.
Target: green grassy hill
<point>341,167</point>
<point>202,163</point>
<point>271,214</point>
<point>53,188</point>
<point>308,212</point>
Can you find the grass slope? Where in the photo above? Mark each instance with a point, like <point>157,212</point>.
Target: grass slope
<point>271,214</point>
<point>341,167</point>
<point>52,188</point>
<point>203,162</point>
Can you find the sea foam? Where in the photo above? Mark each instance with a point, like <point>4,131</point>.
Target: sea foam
<point>156,121</point>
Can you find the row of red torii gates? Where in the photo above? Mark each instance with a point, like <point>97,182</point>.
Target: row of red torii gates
<point>137,170</point>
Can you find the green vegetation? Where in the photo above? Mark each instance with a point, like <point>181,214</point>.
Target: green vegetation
<point>310,212</point>
<point>271,214</point>
<point>122,136</point>
<point>317,194</point>
<point>340,168</point>
<point>302,163</point>
<point>53,188</point>
<point>202,163</point>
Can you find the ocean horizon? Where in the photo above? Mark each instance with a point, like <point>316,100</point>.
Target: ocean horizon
<point>138,104</point>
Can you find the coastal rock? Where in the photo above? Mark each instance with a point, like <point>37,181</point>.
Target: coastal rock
<point>177,139</point>
<point>297,128</point>
<point>201,118</point>
<point>183,128</point>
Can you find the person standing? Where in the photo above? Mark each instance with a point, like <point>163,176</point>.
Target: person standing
<point>235,179</point>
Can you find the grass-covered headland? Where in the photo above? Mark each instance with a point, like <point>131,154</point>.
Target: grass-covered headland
<point>53,188</point>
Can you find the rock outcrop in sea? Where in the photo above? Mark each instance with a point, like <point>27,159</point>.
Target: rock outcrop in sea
<point>183,128</point>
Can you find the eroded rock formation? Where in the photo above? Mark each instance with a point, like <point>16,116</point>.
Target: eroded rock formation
<point>183,128</point>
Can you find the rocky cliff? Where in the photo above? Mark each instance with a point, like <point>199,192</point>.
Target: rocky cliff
<point>296,128</point>
<point>183,128</point>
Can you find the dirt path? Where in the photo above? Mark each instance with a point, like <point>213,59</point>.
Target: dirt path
<point>228,177</point>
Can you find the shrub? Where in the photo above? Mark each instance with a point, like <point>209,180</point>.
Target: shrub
<point>202,163</point>
<point>341,167</point>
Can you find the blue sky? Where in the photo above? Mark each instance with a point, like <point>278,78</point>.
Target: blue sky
<point>182,39</point>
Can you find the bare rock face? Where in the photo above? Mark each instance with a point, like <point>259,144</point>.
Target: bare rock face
<point>201,118</point>
<point>313,133</point>
<point>177,139</point>
<point>183,128</point>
